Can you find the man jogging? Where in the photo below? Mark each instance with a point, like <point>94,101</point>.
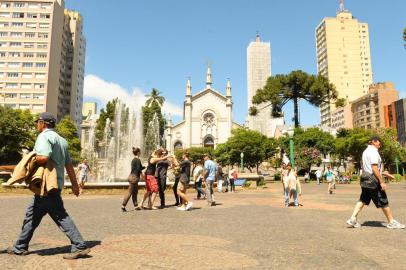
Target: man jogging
<point>49,146</point>
<point>373,186</point>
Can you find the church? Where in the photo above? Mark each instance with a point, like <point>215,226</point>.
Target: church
<point>207,118</point>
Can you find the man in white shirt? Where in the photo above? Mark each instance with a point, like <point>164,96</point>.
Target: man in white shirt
<point>373,186</point>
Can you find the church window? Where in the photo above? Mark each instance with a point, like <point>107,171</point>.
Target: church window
<point>208,142</point>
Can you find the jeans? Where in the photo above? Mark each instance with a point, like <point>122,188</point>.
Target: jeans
<point>161,189</point>
<point>209,190</point>
<point>294,194</point>
<point>318,180</point>
<point>232,186</point>
<point>51,204</point>
<point>132,192</point>
<point>199,189</point>
<point>220,185</point>
<point>175,191</point>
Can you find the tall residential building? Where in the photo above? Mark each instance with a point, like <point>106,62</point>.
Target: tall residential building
<point>41,57</point>
<point>258,71</point>
<point>396,118</point>
<point>344,57</point>
<point>369,110</point>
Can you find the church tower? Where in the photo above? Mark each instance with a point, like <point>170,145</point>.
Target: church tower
<point>188,114</point>
<point>229,105</point>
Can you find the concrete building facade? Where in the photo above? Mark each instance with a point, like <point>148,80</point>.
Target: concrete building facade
<point>89,108</point>
<point>342,117</point>
<point>39,67</point>
<point>395,118</point>
<point>369,110</point>
<point>344,57</point>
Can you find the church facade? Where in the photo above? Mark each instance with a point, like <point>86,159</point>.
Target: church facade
<point>207,118</point>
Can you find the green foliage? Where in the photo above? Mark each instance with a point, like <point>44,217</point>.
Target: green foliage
<point>68,130</point>
<point>104,114</point>
<point>398,177</point>
<point>404,36</point>
<point>391,148</point>
<point>277,176</point>
<point>255,146</point>
<point>341,102</point>
<point>281,89</point>
<point>153,106</point>
<point>17,130</point>
<point>195,153</point>
<point>262,182</point>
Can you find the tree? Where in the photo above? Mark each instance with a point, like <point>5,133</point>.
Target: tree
<point>17,130</point>
<point>104,114</point>
<point>68,130</point>
<point>281,89</point>
<point>255,146</point>
<point>195,153</point>
<point>404,37</point>
<point>391,148</point>
<point>153,106</point>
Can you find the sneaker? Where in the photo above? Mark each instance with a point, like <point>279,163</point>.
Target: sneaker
<point>395,225</point>
<point>11,251</point>
<point>77,254</point>
<point>139,207</point>
<point>181,208</point>
<point>123,209</point>
<point>353,223</point>
<point>188,206</point>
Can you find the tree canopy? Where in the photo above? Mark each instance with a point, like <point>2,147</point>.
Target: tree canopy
<point>297,85</point>
<point>105,113</point>
<point>153,106</point>
<point>68,130</point>
<point>17,130</point>
<point>195,153</point>
<point>255,146</point>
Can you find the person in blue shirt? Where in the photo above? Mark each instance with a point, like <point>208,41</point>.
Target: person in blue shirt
<point>49,146</point>
<point>209,176</point>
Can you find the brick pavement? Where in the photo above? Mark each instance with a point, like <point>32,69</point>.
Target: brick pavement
<point>247,230</point>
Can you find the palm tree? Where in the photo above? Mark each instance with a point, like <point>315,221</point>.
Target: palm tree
<point>154,98</point>
<point>281,89</point>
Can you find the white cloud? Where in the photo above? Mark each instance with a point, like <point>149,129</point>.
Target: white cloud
<point>102,91</point>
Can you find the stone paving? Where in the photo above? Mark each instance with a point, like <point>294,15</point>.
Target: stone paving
<point>250,229</point>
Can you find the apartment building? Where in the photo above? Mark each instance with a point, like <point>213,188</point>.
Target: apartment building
<point>395,118</point>
<point>369,110</point>
<point>39,67</point>
<point>344,57</point>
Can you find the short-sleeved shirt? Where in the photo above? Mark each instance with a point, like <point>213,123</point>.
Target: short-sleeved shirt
<point>83,169</point>
<point>185,171</point>
<point>197,173</point>
<point>211,168</point>
<point>51,145</point>
<point>371,157</point>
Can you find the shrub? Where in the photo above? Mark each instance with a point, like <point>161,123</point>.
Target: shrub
<point>277,176</point>
<point>354,177</point>
<point>398,177</point>
<point>262,182</point>
<point>247,184</point>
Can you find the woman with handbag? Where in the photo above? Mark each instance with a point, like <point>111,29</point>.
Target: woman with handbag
<point>133,179</point>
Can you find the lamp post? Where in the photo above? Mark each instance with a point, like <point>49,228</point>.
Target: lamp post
<point>291,131</point>
<point>242,161</point>
<point>397,165</point>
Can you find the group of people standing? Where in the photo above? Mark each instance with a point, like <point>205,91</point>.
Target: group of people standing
<point>205,172</point>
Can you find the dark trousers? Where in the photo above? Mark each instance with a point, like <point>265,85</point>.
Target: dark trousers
<point>199,189</point>
<point>161,189</point>
<point>132,192</point>
<point>175,191</point>
<point>51,204</point>
<point>232,186</point>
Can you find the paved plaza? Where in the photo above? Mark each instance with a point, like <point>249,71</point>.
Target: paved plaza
<point>249,229</point>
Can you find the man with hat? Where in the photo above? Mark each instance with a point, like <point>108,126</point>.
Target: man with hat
<point>49,146</point>
<point>372,185</point>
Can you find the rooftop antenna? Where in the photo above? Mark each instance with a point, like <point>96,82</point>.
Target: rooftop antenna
<point>342,9</point>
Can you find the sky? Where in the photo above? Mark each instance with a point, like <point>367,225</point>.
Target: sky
<point>136,45</point>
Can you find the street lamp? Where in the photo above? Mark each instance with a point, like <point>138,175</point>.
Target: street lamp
<point>242,161</point>
<point>291,131</point>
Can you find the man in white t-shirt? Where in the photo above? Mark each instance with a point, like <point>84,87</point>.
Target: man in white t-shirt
<point>373,186</point>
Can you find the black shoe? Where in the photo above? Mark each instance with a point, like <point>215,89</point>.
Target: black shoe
<point>123,209</point>
<point>77,254</point>
<point>10,251</point>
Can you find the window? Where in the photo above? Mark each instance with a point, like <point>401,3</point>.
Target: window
<point>28,55</point>
<point>44,25</point>
<point>40,75</point>
<point>17,24</point>
<point>2,64</point>
<point>4,24</point>
<point>46,6</point>
<point>4,15</point>
<point>2,74</point>
<point>3,34</point>
<point>28,65</point>
<point>42,55</point>
<point>31,25</point>
<point>41,65</point>
<point>24,106</point>
<point>25,96</point>
<point>5,5</point>
<point>39,96</point>
<point>39,86</point>
<point>10,95</point>
<point>33,5</point>
<point>2,54</point>
<point>14,64</point>
<point>15,44</point>
<point>38,107</point>
<point>18,15</point>
<point>3,44</point>
<point>42,35</point>
<point>19,5</point>
<point>11,85</point>
<point>26,75</point>
<point>12,75</point>
<point>16,34</point>
<point>29,35</point>
<point>42,45</point>
<point>14,54</point>
<point>45,16</point>
<point>32,15</point>
<point>12,106</point>
<point>25,86</point>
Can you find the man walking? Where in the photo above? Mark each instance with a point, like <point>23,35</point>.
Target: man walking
<point>210,176</point>
<point>49,146</point>
<point>161,174</point>
<point>372,186</point>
